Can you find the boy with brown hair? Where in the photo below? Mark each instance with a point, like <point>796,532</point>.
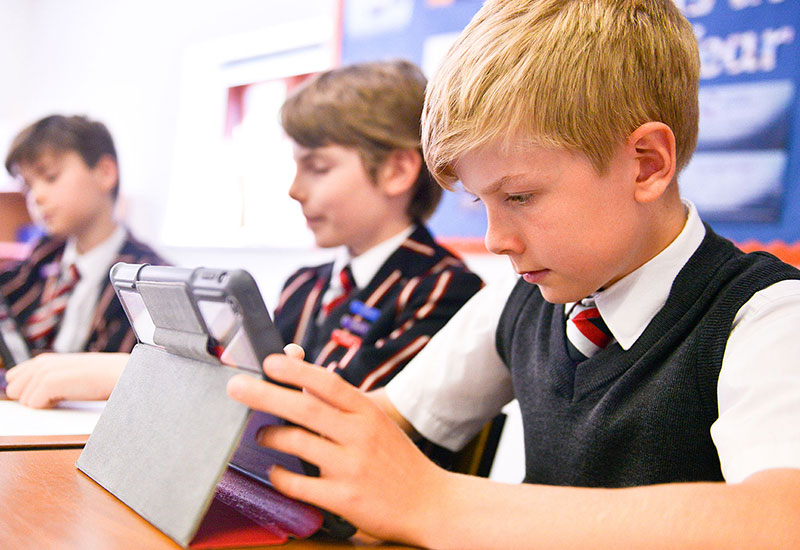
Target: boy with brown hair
<point>60,296</point>
<point>653,361</point>
<point>363,187</point>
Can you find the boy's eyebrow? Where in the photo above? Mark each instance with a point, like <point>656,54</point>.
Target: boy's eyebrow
<point>502,181</point>
<point>305,155</point>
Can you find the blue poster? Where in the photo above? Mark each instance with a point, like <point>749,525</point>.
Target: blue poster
<point>744,175</point>
<point>739,175</point>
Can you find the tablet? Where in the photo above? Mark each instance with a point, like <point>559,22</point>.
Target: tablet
<point>215,316</point>
<point>13,348</point>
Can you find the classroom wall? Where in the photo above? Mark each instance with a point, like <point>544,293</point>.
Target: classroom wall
<point>120,61</point>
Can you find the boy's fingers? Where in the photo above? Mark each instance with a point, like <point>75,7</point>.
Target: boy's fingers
<point>297,407</point>
<point>299,442</point>
<point>20,372</point>
<point>17,381</point>
<point>327,386</point>
<point>294,351</point>
<point>313,490</point>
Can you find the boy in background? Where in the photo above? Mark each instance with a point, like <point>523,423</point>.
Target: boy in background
<point>60,296</point>
<point>655,363</point>
<point>364,187</point>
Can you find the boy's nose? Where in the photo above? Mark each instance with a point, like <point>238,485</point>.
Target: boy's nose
<point>296,191</point>
<point>36,195</point>
<point>501,238</point>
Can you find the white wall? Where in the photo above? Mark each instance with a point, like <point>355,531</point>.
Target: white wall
<point>120,61</point>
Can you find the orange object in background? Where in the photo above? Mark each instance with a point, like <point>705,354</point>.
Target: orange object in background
<point>13,215</point>
<point>788,252</point>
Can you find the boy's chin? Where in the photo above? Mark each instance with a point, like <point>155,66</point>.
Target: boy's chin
<point>326,243</point>
<point>562,295</point>
<point>54,231</point>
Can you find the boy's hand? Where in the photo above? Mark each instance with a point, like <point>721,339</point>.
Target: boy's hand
<point>370,472</point>
<point>52,377</point>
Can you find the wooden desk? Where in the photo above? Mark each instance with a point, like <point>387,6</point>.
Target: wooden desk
<point>48,503</point>
<point>32,442</point>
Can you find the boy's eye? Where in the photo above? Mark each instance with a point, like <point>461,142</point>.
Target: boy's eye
<point>318,167</point>
<point>522,198</point>
<point>51,177</point>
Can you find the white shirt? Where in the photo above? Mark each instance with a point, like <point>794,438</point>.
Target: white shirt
<point>364,266</point>
<point>93,267</point>
<point>458,381</point>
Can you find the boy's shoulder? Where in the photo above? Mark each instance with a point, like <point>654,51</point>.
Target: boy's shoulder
<point>135,251</point>
<point>43,250</point>
<point>419,257</point>
<point>420,254</point>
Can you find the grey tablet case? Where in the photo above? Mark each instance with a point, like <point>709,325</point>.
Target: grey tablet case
<point>169,429</point>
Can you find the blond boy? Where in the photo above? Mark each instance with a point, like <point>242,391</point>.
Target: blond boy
<point>570,121</point>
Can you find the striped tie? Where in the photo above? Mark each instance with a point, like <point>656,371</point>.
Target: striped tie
<point>338,298</point>
<point>40,327</point>
<point>587,333</point>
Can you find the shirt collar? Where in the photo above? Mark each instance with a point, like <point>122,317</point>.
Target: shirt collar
<point>366,265</point>
<point>94,264</point>
<point>628,306</point>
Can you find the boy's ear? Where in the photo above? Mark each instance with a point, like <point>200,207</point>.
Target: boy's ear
<point>653,148</point>
<point>107,173</point>
<point>399,171</point>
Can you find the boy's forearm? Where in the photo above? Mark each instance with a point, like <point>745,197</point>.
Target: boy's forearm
<point>762,512</point>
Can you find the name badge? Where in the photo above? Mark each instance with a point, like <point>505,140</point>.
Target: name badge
<point>344,338</point>
<point>354,325</point>
<point>360,308</point>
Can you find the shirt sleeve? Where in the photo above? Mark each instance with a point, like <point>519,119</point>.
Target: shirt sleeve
<point>759,386</point>
<point>458,382</point>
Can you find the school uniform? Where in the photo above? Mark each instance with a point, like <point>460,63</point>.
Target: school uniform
<point>406,289</point>
<point>699,383</point>
<point>94,319</point>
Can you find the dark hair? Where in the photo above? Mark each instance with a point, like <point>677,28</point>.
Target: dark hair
<point>89,138</point>
<point>373,107</point>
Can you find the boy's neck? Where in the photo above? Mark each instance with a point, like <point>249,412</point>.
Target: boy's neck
<point>673,220</point>
<point>670,222</point>
<point>385,232</point>
<point>95,234</point>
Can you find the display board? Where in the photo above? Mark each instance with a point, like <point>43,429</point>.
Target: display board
<point>744,176</point>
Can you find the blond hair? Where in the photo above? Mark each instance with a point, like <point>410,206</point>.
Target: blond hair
<point>373,107</point>
<point>575,74</point>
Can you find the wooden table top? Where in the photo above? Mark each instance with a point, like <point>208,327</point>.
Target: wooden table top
<point>48,503</point>
<point>31,442</point>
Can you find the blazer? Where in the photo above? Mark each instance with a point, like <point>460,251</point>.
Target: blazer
<point>22,284</point>
<point>373,334</point>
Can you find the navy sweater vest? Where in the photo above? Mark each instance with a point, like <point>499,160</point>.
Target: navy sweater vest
<point>636,417</point>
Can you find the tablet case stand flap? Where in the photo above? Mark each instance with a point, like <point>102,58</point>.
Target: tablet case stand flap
<point>153,447</point>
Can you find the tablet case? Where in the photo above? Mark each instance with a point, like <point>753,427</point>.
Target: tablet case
<point>169,429</point>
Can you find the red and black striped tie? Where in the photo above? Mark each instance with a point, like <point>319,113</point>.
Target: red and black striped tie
<point>587,333</point>
<point>40,327</point>
<point>347,286</point>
